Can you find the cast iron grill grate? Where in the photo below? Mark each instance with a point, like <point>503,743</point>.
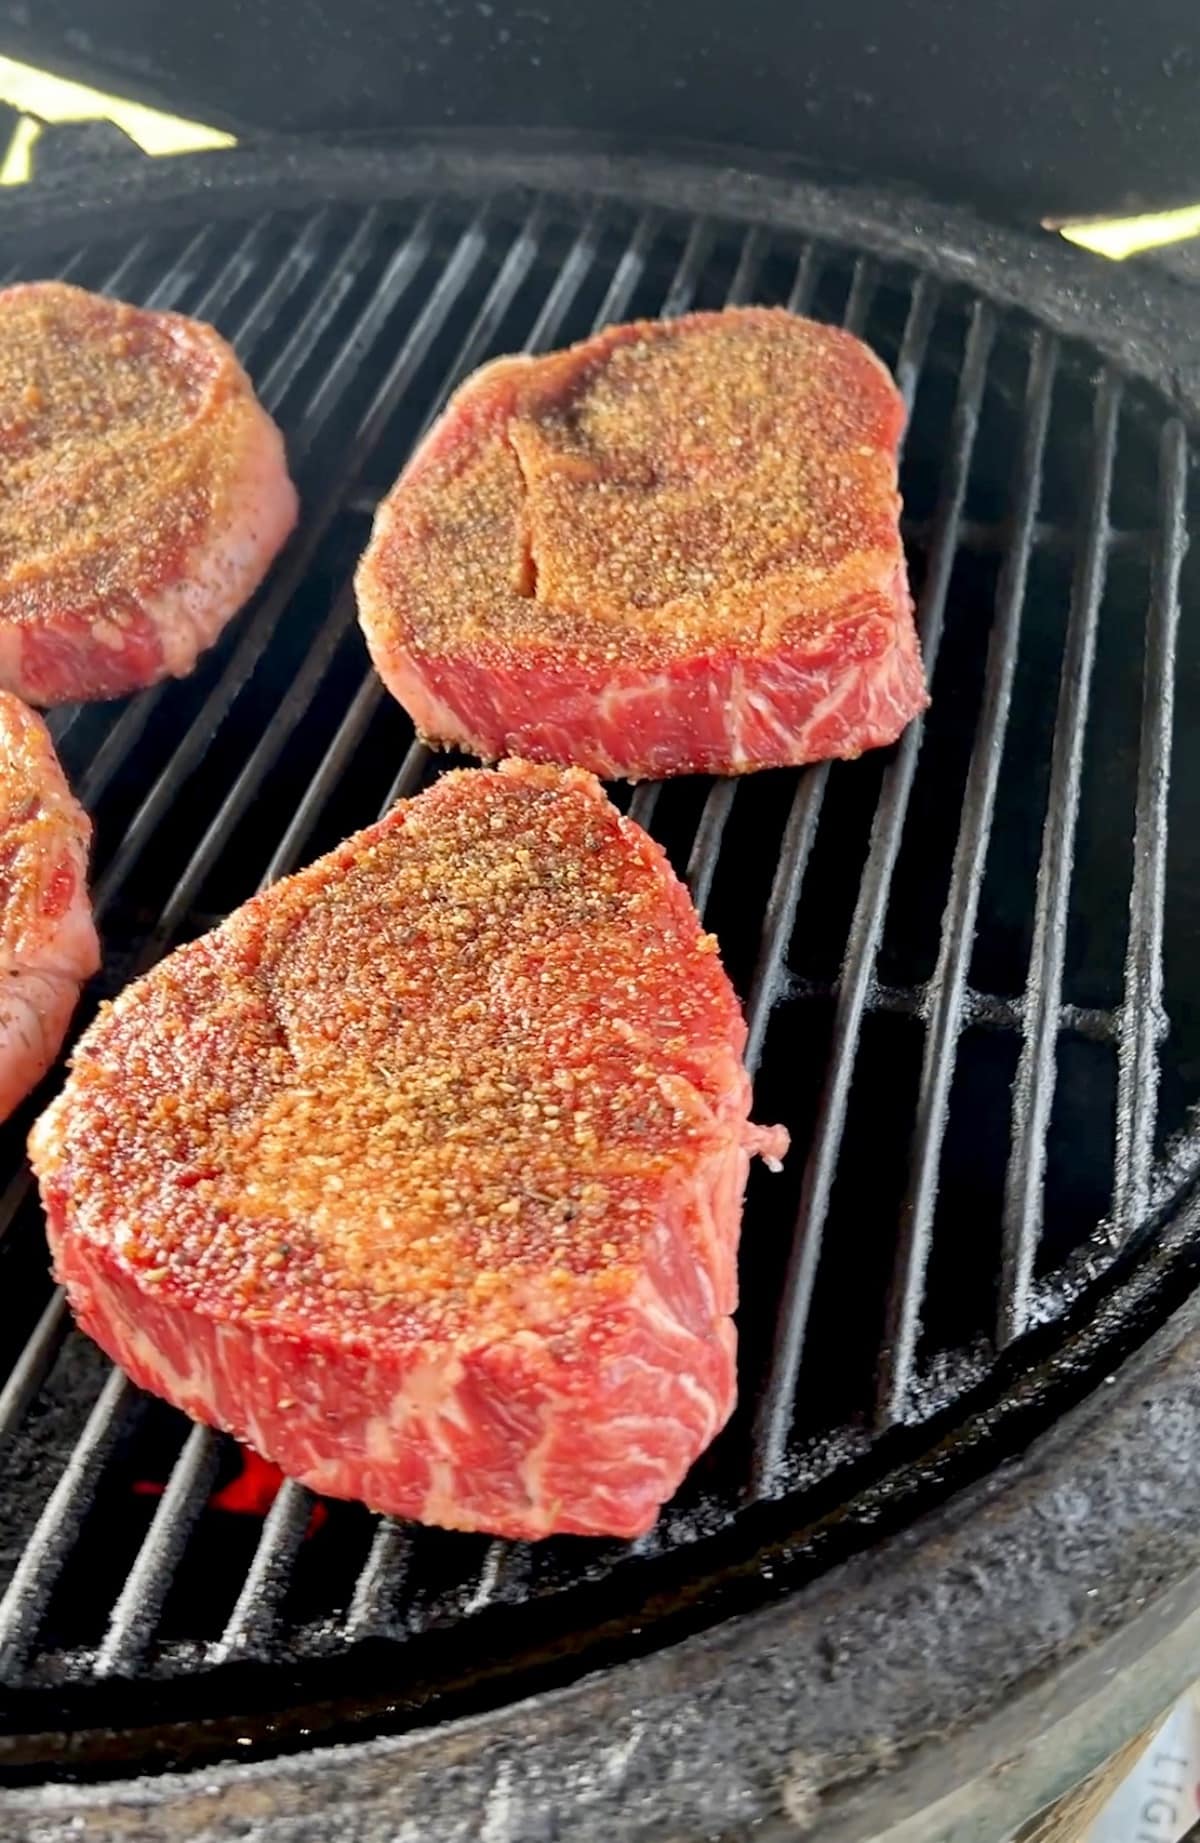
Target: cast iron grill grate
<point>970,988</point>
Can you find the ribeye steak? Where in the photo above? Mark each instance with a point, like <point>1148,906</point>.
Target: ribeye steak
<point>423,1173</point>
<point>672,548</point>
<point>48,944</point>
<point>143,492</point>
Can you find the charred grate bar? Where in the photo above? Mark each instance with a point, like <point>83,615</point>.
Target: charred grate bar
<point>913,935</point>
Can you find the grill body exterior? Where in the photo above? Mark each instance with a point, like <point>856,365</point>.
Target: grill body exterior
<point>955,1520</point>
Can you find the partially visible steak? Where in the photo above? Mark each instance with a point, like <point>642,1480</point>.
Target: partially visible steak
<point>423,1173</point>
<point>143,493</point>
<point>672,548</point>
<point>48,944</point>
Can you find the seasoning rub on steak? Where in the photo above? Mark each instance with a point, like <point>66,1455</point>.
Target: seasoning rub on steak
<point>672,548</point>
<point>48,944</point>
<point>143,493</point>
<point>423,1173</point>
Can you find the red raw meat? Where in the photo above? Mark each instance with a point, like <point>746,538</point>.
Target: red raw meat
<point>143,493</point>
<point>423,1174</point>
<point>672,548</point>
<point>48,944</point>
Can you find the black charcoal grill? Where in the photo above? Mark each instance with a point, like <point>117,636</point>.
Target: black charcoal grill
<point>947,1556</point>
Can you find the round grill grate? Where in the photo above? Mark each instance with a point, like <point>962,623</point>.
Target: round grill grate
<point>968,962</point>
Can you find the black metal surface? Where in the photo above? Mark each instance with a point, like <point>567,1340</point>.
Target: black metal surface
<point>1025,107</point>
<point>940,1271</point>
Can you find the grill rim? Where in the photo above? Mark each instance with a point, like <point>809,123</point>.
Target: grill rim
<point>1144,324</point>
<point>1139,325</point>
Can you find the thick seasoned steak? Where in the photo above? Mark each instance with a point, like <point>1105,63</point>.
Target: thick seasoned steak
<point>48,944</point>
<point>423,1173</point>
<point>143,493</point>
<point>672,548</point>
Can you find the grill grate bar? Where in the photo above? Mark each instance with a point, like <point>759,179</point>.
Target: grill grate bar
<point>372,1608</point>
<point>139,1605</point>
<point>407,779</point>
<point>350,732</point>
<point>300,258</point>
<point>863,286</point>
<point>127,267</point>
<point>61,721</point>
<point>780,912</point>
<point>69,271</point>
<point>774,1416</point>
<point>945,995</point>
<point>643,801</point>
<point>706,846</point>
<point>1144,1021</point>
<point>236,269</point>
<point>251,1624</point>
<point>24,1604</point>
<point>629,270</point>
<point>505,1570</point>
<point>686,279</point>
<point>1033,1090</point>
<point>118,743</point>
<point>191,263</point>
<point>750,261</point>
<point>344,271</point>
<point>64,271</point>
<point>566,284</point>
<point>910,360</point>
<point>28,1373</point>
<point>808,274</point>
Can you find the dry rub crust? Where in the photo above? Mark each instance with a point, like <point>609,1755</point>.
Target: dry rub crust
<point>423,1174</point>
<point>484,1102</point>
<point>670,502</point>
<point>143,492</point>
<point>48,943</point>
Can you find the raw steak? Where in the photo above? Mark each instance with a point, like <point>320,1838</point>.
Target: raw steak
<point>423,1173</point>
<point>672,548</point>
<point>143,493</point>
<point>48,944</point>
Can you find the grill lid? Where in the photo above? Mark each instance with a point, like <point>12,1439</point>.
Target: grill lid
<point>971,995</point>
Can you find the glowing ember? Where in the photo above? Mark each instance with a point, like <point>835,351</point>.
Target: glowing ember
<point>250,1492</point>
<point>253,1490</point>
